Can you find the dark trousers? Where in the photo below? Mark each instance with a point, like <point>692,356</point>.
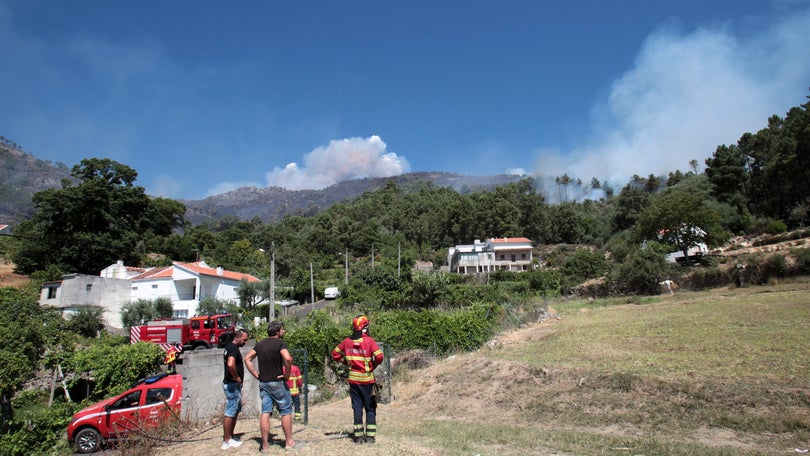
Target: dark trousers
<point>363,399</point>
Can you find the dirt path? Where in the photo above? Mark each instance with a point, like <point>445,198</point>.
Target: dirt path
<point>8,278</point>
<point>325,434</point>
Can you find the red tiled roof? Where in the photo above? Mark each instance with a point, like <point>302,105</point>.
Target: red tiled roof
<point>213,272</point>
<point>508,240</point>
<point>168,271</point>
<point>156,273</point>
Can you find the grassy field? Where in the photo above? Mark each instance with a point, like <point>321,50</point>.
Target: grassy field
<point>720,372</point>
<point>725,371</point>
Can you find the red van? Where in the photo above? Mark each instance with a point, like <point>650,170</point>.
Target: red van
<point>146,404</point>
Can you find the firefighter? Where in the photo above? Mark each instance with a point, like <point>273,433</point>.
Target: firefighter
<point>362,354</point>
<point>171,360</point>
<point>294,383</point>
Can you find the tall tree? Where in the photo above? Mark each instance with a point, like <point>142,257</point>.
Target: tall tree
<point>629,204</point>
<point>679,217</point>
<point>85,226</point>
<point>778,159</point>
<point>726,170</point>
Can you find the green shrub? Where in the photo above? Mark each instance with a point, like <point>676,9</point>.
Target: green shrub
<point>39,433</point>
<point>802,256</point>
<point>428,289</point>
<point>115,368</point>
<point>163,307</point>
<point>144,310</point>
<point>318,334</point>
<point>546,282</point>
<point>776,227</point>
<point>776,265</point>
<point>584,264</point>
<point>88,321</point>
<point>438,332</point>
<point>461,295</point>
<point>502,275</point>
<point>211,306</point>
<point>640,273</point>
<point>702,278</point>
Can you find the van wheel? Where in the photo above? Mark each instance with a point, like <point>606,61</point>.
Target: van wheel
<point>88,440</point>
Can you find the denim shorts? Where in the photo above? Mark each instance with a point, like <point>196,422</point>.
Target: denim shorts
<point>233,396</point>
<point>275,393</point>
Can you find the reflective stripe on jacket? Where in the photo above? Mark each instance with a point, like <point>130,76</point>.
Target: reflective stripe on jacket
<point>296,381</point>
<point>362,355</point>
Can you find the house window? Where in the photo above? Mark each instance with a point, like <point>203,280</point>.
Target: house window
<point>180,314</point>
<point>522,256</point>
<point>134,288</point>
<point>154,286</point>
<point>502,256</point>
<point>52,293</point>
<point>88,287</point>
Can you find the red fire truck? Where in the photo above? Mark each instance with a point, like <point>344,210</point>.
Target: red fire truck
<point>194,333</point>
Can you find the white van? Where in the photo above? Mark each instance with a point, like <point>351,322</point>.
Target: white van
<point>331,293</point>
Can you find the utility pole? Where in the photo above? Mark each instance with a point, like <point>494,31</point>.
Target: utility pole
<point>399,256</point>
<point>372,255</point>
<point>346,259</point>
<point>272,282</point>
<point>311,284</point>
<point>489,265</point>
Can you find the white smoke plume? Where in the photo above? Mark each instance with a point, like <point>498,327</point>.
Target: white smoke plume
<point>341,160</point>
<point>687,94</point>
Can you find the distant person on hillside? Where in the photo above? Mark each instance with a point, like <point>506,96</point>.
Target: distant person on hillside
<point>232,386</point>
<point>275,366</point>
<point>362,354</point>
<point>294,384</point>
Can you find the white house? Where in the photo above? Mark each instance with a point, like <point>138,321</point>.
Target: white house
<point>185,284</point>
<point>510,254</point>
<point>76,291</point>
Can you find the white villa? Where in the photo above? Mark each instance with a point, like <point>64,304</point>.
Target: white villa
<point>185,284</point>
<point>510,254</point>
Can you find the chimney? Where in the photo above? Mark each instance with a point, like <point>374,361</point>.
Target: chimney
<point>220,271</point>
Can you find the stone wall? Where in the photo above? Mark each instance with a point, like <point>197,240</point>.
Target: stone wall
<point>203,398</point>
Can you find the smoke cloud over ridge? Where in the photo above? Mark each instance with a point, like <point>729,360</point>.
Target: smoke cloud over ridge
<point>341,160</point>
<point>686,94</point>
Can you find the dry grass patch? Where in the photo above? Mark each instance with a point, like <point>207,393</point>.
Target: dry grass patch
<point>721,372</point>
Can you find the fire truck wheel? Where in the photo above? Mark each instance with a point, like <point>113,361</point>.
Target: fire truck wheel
<point>88,440</point>
<point>201,347</point>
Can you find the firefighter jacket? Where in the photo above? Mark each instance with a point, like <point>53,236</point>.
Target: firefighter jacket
<point>362,355</point>
<point>296,381</point>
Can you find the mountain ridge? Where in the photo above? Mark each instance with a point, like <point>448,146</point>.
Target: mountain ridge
<point>22,175</point>
<point>274,203</point>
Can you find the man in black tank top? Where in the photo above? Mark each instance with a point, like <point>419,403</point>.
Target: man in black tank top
<point>275,363</point>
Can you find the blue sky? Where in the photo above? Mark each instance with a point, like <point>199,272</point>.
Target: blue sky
<point>201,97</point>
